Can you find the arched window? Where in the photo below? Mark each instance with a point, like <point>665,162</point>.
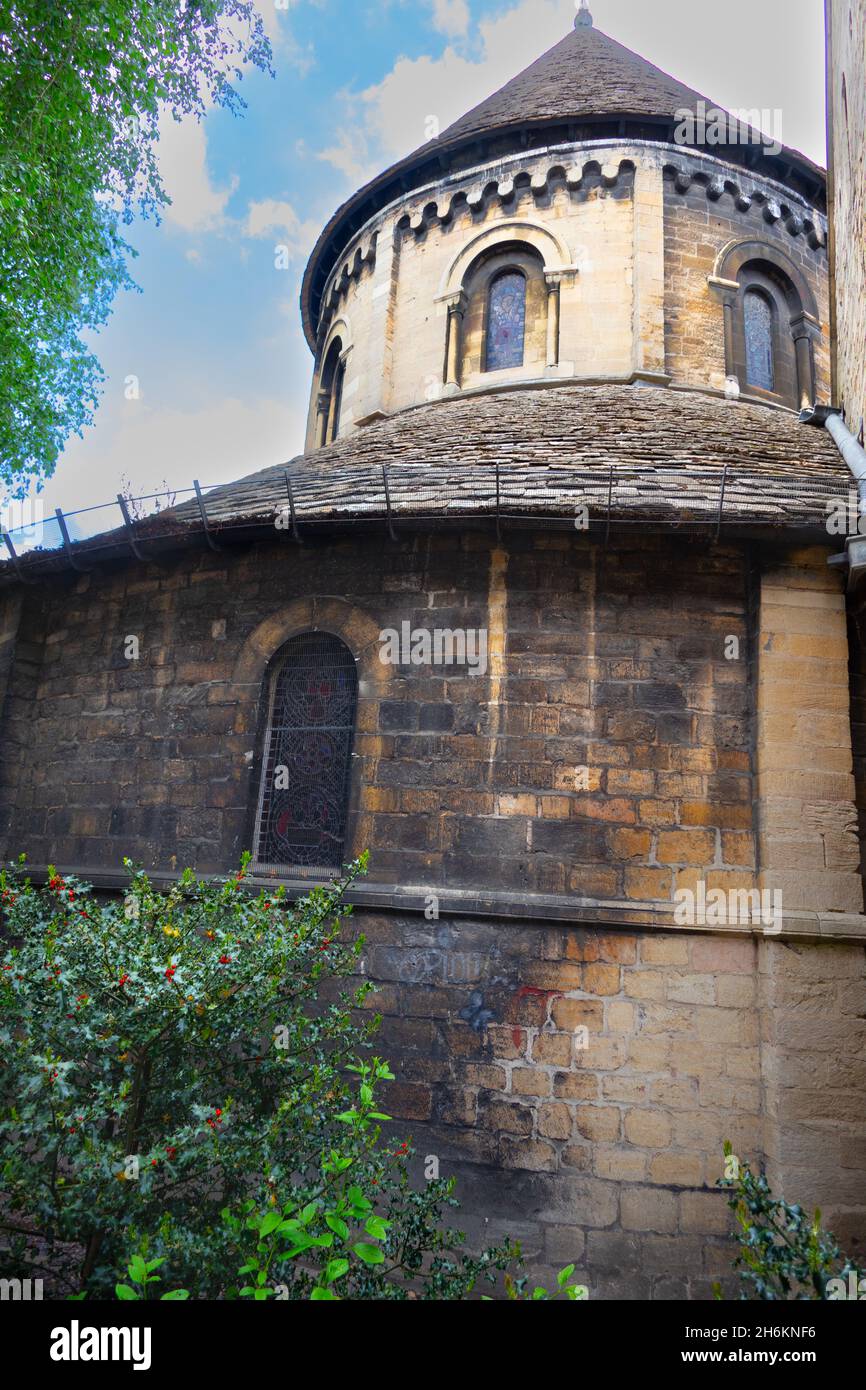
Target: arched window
<point>306,758</point>
<point>506,321</point>
<point>771,323</point>
<point>337,400</point>
<point>331,393</point>
<point>758,325</point>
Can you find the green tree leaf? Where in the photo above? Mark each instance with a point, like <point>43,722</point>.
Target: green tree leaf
<point>370,1254</point>
<point>82,89</point>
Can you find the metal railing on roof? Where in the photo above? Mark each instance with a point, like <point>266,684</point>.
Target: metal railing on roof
<point>296,500</point>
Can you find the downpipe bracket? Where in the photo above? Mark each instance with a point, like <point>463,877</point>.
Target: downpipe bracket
<point>830,418</point>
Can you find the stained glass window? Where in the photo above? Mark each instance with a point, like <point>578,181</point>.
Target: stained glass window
<point>506,321</point>
<point>304,795</point>
<point>758,319</point>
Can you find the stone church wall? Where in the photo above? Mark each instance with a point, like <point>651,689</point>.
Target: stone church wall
<point>563,1048</point>
<point>605,750</point>
<point>846,87</point>
<point>600,1148</point>
<point>632,248</point>
<point>697,229</point>
<point>604,1149</point>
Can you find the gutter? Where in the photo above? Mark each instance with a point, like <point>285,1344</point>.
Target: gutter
<point>830,418</point>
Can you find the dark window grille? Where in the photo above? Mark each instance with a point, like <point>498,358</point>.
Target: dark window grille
<point>506,321</point>
<point>304,792</point>
<point>758,320</point>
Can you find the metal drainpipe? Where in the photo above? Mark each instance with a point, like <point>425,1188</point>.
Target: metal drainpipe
<point>830,418</point>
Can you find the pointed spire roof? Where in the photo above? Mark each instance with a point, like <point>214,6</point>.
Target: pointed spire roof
<point>587,86</point>
<point>585,74</point>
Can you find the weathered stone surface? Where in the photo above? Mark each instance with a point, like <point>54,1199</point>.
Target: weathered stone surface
<point>651,718</point>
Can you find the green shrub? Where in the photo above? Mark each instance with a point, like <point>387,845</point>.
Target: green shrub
<point>177,1094</point>
<point>783,1254</point>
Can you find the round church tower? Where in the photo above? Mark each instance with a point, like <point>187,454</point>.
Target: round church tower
<point>593,222</point>
<point>542,618</point>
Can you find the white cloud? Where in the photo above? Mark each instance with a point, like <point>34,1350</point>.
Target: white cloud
<point>353,153</point>
<point>451,17</point>
<point>283,43</point>
<point>271,18</point>
<point>273,217</point>
<point>217,439</point>
<point>196,204</point>
<point>386,121</point>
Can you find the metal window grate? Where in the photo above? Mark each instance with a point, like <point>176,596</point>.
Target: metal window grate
<point>304,788</point>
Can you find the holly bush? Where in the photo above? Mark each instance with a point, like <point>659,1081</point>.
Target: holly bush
<point>783,1252</point>
<point>186,1084</point>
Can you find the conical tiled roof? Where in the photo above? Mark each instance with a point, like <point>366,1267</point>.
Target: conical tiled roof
<point>586,86</point>
<point>585,74</point>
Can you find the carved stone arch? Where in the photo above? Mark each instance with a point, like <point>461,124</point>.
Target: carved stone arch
<point>733,258</point>
<point>345,620</point>
<point>756,264</point>
<point>250,689</point>
<point>330,375</point>
<point>340,328</point>
<point>524,233</point>
<point>550,246</point>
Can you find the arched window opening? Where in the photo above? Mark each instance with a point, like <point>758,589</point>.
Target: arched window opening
<point>338,400</point>
<point>331,393</point>
<point>506,321</point>
<point>306,758</point>
<point>771,323</point>
<point>758,324</point>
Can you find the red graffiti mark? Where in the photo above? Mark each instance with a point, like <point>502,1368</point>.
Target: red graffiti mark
<point>531,991</point>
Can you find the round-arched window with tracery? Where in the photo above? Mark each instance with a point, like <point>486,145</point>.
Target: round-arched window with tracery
<point>306,760</point>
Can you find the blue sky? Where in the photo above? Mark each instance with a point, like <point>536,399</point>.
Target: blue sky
<point>214,338</point>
